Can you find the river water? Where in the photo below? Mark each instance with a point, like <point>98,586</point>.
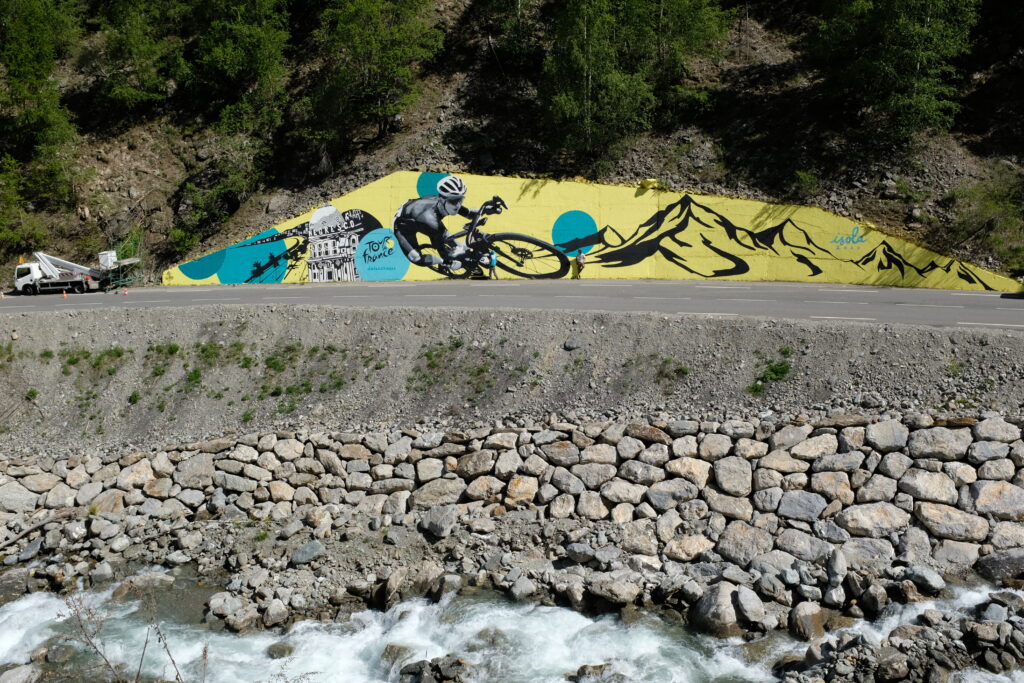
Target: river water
<point>503,641</point>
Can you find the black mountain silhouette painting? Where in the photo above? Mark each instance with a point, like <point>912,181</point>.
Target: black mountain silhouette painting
<point>725,248</point>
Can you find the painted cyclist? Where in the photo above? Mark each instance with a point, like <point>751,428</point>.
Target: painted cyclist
<point>426,215</point>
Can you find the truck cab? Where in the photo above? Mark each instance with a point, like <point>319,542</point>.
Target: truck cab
<point>26,275</point>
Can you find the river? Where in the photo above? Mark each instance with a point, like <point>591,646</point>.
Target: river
<point>502,641</point>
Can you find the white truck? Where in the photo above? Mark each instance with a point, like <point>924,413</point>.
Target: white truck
<point>51,274</point>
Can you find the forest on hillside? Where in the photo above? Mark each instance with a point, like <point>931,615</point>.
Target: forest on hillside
<point>286,93</point>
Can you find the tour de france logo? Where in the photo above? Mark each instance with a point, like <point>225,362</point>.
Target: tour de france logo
<point>378,257</point>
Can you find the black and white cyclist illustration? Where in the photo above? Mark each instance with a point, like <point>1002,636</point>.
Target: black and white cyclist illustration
<point>518,254</point>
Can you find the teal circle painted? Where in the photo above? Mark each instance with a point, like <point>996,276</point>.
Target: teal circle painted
<point>427,183</point>
<point>379,258</point>
<point>570,229</point>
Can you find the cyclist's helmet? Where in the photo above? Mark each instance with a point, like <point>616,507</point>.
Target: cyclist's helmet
<point>451,187</point>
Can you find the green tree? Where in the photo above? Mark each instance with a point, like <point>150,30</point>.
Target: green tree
<point>238,63</point>
<point>890,60</point>
<point>591,102</point>
<point>35,129</point>
<point>20,231</point>
<point>372,50</point>
<point>143,50</point>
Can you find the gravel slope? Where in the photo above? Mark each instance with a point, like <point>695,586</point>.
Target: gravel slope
<point>345,368</point>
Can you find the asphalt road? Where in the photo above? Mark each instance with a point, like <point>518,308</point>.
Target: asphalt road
<point>794,301</point>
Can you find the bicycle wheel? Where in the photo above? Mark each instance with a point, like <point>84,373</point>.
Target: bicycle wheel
<point>528,257</point>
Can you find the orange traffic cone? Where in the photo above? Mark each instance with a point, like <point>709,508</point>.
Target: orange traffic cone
<point>126,292</point>
<point>65,294</point>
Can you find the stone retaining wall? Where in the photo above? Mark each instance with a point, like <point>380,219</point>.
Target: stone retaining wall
<point>740,525</point>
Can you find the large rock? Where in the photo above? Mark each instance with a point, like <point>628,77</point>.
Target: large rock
<point>648,433</point>
<point>437,492</point>
<point>807,621</point>
<point>43,482</point>
<point>838,462</point>
<point>599,453</point>
<point>567,482</point>
<point>615,591</point>
<point>487,489</point>
<point>803,545</point>
<point>801,505</point>
<point>691,469</point>
<point>934,487</point>
<point>1007,535</point>
<point>741,543</point>
<point>521,490</point>
<point>878,488</point>
<point>782,461</point>
<point>875,520</point>
<point>715,613</point>
<point>983,451</point>
<point>196,472</point>
<point>620,491</point>
<point>1002,565</point>
<point>789,436</point>
<point>887,436</point>
<point>686,548</point>
<point>894,465</point>
<point>275,614</point>
<point>749,606</point>
<point>715,446</point>
<point>111,500</point>
<point>1000,499</point>
<point>16,498</point>
<point>25,673</point>
<point>562,453</point>
<point>833,485</point>
<point>815,447</point>
<point>591,506</point>
<point>475,464</point>
<point>667,494</point>
<point>594,474</point>
<point>440,520</point>
<point>939,443</point>
<point>872,554</point>
<point>640,472</point>
<point>733,475</point>
<point>638,538</point>
<point>955,556</point>
<point>307,553</point>
<point>733,507</point>
<point>945,521</point>
<point>996,429</point>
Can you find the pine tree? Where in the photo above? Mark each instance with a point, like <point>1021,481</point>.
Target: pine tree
<point>890,61</point>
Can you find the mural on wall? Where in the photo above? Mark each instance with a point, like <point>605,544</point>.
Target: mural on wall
<point>535,226</point>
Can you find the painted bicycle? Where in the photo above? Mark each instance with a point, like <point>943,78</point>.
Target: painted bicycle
<point>518,254</point>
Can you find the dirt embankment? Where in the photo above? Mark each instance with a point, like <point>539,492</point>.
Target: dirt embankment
<point>151,376</point>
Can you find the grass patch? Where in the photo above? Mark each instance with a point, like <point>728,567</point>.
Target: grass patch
<point>774,371</point>
<point>193,379</point>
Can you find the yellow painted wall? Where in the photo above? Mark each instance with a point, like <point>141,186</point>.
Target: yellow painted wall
<point>645,234</point>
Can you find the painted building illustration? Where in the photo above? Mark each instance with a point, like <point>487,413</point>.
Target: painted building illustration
<point>333,238</point>
<point>626,232</point>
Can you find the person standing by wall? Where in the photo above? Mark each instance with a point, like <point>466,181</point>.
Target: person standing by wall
<point>493,266</point>
<point>578,263</point>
